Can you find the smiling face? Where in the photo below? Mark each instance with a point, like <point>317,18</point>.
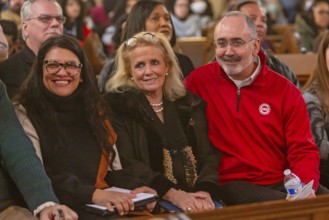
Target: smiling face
<point>61,84</point>
<point>159,21</point>
<point>236,61</point>
<point>148,69</point>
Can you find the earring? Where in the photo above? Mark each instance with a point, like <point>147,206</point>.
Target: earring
<point>132,78</point>
<point>167,74</point>
<point>81,80</point>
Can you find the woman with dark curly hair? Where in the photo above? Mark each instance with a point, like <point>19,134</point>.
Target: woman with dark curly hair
<point>62,112</point>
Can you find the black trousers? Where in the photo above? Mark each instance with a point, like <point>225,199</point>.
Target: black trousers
<point>241,192</point>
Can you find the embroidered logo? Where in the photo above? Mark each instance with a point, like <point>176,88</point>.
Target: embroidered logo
<point>264,109</point>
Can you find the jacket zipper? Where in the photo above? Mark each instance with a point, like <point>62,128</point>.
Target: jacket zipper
<point>238,100</point>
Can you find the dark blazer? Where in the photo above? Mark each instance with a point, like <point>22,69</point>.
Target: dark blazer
<point>130,120</point>
<point>15,69</point>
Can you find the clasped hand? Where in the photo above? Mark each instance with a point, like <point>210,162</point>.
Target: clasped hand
<point>190,202</point>
<point>122,201</point>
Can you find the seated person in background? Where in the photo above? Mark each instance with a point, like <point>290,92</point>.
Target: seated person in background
<point>162,129</point>
<point>257,119</point>
<point>186,24</point>
<point>257,13</point>
<point>22,176</point>
<point>309,24</point>
<point>148,16</point>
<point>74,26</point>
<point>316,95</point>
<point>11,33</point>
<point>4,48</point>
<point>203,9</point>
<point>61,110</point>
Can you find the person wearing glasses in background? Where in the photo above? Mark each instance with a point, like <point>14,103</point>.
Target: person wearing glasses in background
<point>41,19</point>
<point>257,119</point>
<point>162,129</point>
<point>62,112</point>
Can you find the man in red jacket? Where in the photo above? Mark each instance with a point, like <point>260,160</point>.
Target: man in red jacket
<point>257,119</point>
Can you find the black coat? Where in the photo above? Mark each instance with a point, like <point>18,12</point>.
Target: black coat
<point>15,69</point>
<point>130,119</point>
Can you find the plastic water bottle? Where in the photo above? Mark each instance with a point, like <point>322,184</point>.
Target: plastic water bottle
<point>292,183</point>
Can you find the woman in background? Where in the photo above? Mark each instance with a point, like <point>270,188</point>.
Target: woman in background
<point>309,24</point>
<point>316,95</point>
<point>149,16</point>
<point>74,25</point>
<point>186,24</point>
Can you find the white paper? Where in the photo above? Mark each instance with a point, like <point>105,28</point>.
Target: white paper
<point>139,196</point>
<point>305,192</point>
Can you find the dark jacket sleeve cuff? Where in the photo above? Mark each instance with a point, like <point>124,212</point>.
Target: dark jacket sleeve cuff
<point>161,184</point>
<point>209,187</point>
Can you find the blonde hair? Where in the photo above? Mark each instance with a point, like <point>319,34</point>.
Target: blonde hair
<point>173,87</point>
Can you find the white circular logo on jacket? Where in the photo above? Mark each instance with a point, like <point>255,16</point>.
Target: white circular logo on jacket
<point>264,109</point>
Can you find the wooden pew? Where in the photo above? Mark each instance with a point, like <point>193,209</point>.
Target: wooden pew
<point>301,64</point>
<point>308,209</point>
<point>196,48</point>
<point>284,41</point>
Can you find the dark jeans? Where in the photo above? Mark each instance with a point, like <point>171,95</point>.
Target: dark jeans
<point>241,192</point>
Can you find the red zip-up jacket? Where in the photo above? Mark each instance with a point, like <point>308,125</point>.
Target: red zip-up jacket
<point>260,129</point>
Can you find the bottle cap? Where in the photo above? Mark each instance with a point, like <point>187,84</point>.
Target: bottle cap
<point>287,172</point>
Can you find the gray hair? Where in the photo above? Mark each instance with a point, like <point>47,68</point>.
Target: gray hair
<point>250,23</point>
<point>26,10</point>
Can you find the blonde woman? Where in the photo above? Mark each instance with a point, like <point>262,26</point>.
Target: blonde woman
<point>162,130</point>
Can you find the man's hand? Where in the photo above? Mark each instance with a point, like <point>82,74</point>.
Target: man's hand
<point>58,212</point>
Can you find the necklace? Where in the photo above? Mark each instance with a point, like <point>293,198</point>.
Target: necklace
<point>156,104</point>
<point>159,110</point>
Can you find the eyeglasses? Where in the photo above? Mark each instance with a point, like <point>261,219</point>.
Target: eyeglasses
<point>148,36</point>
<point>53,67</point>
<point>235,43</point>
<point>323,12</point>
<point>48,19</point>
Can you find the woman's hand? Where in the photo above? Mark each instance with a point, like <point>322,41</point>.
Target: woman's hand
<point>190,202</point>
<point>207,203</point>
<point>145,189</point>
<point>58,212</point>
<point>122,201</point>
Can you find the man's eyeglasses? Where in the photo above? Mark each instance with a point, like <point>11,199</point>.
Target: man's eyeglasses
<point>148,36</point>
<point>235,43</point>
<point>48,19</point>
<point>53,67</point>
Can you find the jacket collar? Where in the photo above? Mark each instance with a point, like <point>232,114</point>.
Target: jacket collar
<point>259,78</point>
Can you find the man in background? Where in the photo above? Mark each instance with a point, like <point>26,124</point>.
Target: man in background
<point>41,19</point>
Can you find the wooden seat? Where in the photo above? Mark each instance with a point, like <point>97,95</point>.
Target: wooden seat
<point>301,64</point>
<point>308,209</point>
<point>196,48</point>
<point>284,41</point>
